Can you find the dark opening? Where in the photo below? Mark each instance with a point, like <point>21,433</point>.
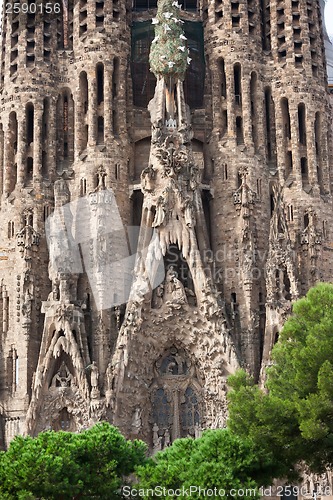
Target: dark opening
<point>223,80</point>
<point>100,83</point>
<point>301,124</point>
<point>30,123</point>
<point>30,169</point>
<point>237,84</point>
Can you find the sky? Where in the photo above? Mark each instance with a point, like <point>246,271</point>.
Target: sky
<point>329,17</point>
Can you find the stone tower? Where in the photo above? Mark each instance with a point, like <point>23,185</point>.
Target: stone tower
<point>195,138</point>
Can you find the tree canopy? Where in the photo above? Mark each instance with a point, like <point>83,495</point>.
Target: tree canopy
<point>293,421</point>
<point>62,465</point>
<point>218,461</point>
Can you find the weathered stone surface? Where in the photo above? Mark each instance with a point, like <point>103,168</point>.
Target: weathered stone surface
<point>229,181</point>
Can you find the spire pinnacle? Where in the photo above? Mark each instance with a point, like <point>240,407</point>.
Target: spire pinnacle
<point>169,54</point>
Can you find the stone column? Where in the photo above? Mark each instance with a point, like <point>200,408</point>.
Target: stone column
<point>260,116</point>
<point>246,111</point>
<point>51,138</point>
<point>92,109</point>
<point>21,157</point>
<point>281,141</point>
<point>107,102</point>
<point>37,154</point>
<point>325,152</point>
<point>311,148</point>
<point>229,73</point>
<point>6,159</point>
<point>295,144</point>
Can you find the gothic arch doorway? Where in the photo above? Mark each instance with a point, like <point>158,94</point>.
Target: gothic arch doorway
<point>176,398</point>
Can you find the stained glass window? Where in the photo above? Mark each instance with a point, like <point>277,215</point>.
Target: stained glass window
<point>161,409</point>
<point>189,414</point>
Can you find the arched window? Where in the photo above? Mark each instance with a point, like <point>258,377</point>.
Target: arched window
<point>189,412</point>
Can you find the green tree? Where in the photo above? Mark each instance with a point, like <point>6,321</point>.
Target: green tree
<point>294,420</point>
<point>65,465</point>
<point>218,460</point>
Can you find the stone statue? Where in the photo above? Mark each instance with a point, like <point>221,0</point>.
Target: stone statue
<point>159,293</point>
<point>167,439</point>
<point>175,291</point>
<point>157,440</point>
<point>63,378</point>
<point>27,305</point>
<point>197,431</point>
<point>109,374</point>
<point>94,375</point>
<point>136,421</point>
<point>155,434</point>
<point>160,212</point>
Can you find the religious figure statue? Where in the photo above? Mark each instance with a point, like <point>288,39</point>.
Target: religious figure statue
<point>109,377</point>
<point>157,440</point>
<point>167,438</point>
<point>27,305</point>
<point>63,378</point>
<point>175,291</point>
<point>94,375</point>
<point>160,212</point>
<point>197,431</point>
<point>136,421</point>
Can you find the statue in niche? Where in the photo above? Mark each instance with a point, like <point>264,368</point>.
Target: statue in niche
<point>27,305</point>
<point>148,175</point>
<point>160,212</point>
<point>155,433</point>
<point>109,377</point>
<point>174,289</point>
<point>101,175</point>
<point>197,431</point>
<point>158,296</point>
<point>167,438</point>
<point>136,421</point>
<point>63,378</point>
<point>94,375</point>
<point>173,364</point>
<point>54,294</point>
<point>156,132</point>
<point>94,378</point>
<point>157,440</point>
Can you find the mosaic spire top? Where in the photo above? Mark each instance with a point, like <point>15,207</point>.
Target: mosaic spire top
<point>169,55</point>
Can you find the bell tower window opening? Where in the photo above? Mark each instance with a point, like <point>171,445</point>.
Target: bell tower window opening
<point>223,80</point>
<point>301,124</point>
<point>100,83</point>
<point>237,84</point>
<point>30,123</point>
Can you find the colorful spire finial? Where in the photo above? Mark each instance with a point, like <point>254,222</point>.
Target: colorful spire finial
<point>168,52</point>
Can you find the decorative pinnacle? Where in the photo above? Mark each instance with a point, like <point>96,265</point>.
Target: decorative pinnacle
<point>168,52</point>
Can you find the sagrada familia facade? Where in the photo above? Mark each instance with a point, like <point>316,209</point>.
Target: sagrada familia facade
<point>165,190</point>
